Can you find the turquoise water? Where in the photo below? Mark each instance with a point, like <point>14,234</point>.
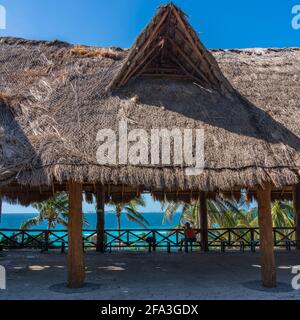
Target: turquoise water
<point>14,221</point>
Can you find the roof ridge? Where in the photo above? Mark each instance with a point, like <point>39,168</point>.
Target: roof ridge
<point>19,40</point>
<point>23,41</point>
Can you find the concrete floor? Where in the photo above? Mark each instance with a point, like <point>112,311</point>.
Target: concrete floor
<point>125,275</point>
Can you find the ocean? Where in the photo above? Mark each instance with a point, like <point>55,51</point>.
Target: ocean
<point>14,221</point>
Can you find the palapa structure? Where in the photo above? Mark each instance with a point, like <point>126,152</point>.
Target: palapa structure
<point>54,98</point>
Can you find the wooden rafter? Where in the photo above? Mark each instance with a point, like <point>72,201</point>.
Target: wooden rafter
<point>187,72</point>
<point>147,43</point>
<point>189,38</point>
<point>193,42</point>
<point>146,64</point>
<point>188,60</point>
<point>137,67</point>
<point>181,55</point>
<point>205,69</point>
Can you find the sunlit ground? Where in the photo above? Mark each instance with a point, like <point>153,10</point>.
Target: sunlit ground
<point>124,275</point>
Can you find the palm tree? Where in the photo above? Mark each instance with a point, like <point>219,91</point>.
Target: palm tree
<point>53,210</point>
<point>220,212</point>
<point>231,213</point>
<point>189,213</point>
<point>282,214</point>
<point>130,209</point>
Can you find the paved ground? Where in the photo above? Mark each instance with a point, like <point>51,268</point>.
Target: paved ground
<point>121,275</point>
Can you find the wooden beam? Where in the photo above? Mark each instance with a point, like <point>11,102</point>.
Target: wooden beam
<point>191,76</point>
<point>76,267</point>
<point>163,69</point>
<point>166,76</point>
<point>142,68</point>
<point>296,199</point>
<point>268,268</point>
<point>100,203</point>
<point>140,64</point>
<point>203,220</point>
<point>189,61</point>
<point>193,44</point>
<point>139,51</point>
<point>201,63</point>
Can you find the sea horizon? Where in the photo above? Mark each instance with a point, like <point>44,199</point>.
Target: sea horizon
<point>14,221</point>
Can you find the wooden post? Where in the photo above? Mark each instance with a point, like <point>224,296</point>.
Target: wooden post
<point>203,221</point>
<point>76,268</point>
<point>100,202</point>
<point>268,267</point>
<point>296,198</point>
<point>0,208</point>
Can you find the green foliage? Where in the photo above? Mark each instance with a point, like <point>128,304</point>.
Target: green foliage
<point>130,209</point>
<point>53,210</point>
<point>229,213</point>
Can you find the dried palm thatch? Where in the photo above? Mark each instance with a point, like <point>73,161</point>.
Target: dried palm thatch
<point>52,105</point>
<point>88,52</point>
<point>89,197</point>
<point>185,197</point>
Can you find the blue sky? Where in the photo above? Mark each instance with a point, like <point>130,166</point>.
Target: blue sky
<point>220,23</point>
<point>152,206</point>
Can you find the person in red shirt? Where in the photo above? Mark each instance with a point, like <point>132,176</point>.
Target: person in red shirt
<point>189,235</point>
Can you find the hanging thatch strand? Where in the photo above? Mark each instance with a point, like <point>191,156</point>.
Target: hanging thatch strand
<point>54,99</point>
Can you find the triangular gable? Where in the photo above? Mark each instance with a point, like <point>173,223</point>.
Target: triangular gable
<point>170,48</point>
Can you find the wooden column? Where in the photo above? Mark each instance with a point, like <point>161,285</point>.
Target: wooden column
<point>76,268</point>
<point>296,198</point>
<point>268,267</point>
<point>203,221</point>
<point>100,202</point>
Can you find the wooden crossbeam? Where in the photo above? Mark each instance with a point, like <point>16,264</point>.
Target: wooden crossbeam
<point>147,64</point>
<point>141,50</point>
<point>200,79</point>
<point>188,60</point>
<point>203,66</point>
<point>166,76</point>
<point>136,68</point>
<point>191,40</point>
<point>162,69</point>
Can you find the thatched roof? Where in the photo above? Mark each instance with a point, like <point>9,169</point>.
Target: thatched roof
<point>55,97</point>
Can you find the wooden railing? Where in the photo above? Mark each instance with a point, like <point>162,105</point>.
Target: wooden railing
<point>222,238</point>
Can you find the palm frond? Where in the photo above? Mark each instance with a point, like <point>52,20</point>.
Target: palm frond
<point>132,218</point>
<point>31,223</point>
